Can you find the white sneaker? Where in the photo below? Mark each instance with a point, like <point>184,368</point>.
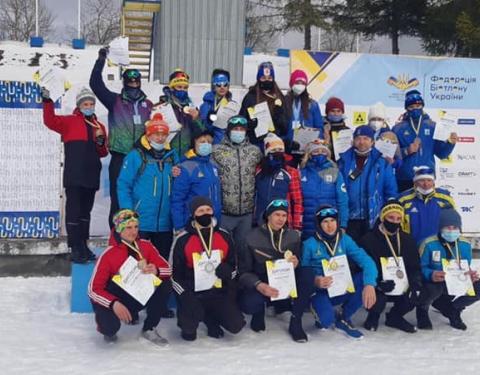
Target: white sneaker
<point>154,337</point>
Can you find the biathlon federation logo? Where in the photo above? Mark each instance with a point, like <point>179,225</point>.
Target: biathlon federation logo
<point>403,82</point>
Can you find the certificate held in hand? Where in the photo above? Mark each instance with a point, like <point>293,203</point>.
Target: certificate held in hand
<point>204,270</point>
<point>338,269</point>
<point>457,278</point>
<point>396,272</point>
<point>281,276</point>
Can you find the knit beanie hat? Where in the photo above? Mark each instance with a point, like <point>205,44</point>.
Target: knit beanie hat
<point>377,111</point>
<point>276,205</point>
<point>422,172</point>
<point>448,216</point>
<point>199,201</point>
<point>131,75</point>
<point>83,95</point>
<point>364,130</point>
<point>413,97</point>
<point>178,77</point>
<point>334,103</point>
<point>265,69</point>
<point>156,125</point>
<point>317,144</point>
<point>197,133</point>
<point>298,75</point>
<point>392,205</point>
<point>272,142</point>
<point>122,218</point>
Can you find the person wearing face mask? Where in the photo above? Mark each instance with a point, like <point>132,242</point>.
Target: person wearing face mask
<point>188,116</point>
<point>85,142</point>
<point>198,177</point>
<point>218,96</point>
<point>450,245</point>
<point>237,160</point>
<point>415,136</point>
<point>387,240</point>
<point>216,305</point>
<point>377,121</point>
<point>322,183</point>
<point>369,180</point>
<point>423,204</point>
<point>334,121</point>
<point>305,112</point>
<point>265,90</point>
<point>328,243</point>
<point>277,180</point>
<point>127,113</point>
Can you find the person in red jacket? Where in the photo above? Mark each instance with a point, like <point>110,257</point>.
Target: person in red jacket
<point>111,303</point>
<point>84,139</point>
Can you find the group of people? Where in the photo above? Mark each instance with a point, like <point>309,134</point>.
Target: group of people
<point>223,205</point>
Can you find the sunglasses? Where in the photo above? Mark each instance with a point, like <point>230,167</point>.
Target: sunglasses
<point>238,120</point>
<point>327,212</point>
<point>219,85</point>
<point>278,203</point>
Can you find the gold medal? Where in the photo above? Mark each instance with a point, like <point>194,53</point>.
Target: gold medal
<point>186,109</point>
<point>287,254</point>
<point>142,263</point>
<point>278,102</point>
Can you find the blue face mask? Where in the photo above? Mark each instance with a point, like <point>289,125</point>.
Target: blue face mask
<point>319,159</point>
<point>335,118</point>
<point>133,92</point>
<point>204,149</point>
<point>450,235</point>
<point>88,111</point>
<point>415,113</point>
<point>180,95</point>
<point>157,146</point>
<point>237,136</point>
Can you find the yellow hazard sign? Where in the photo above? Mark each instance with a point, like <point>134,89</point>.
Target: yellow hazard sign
<point>359,118</point>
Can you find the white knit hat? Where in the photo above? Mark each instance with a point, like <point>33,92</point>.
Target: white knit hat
<point>85,94</point>
<point>272,142</point>
<point>377,110</point>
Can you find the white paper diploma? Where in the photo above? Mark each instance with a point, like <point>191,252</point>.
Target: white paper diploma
<point>264,119</point>
<point>386,148</point>
<point>52,78</point>
<point>458,283</point>
<point>281,276</point>
<point>118,51</point>
<point>225,112</point>
<point>204,270</point>
<point>398,274</point>
<point>342,141</point>
<point>338,268</point>
<point>444,127</point>
<point>475,265</point>
<point>304,136</point>
<point>139,285</point>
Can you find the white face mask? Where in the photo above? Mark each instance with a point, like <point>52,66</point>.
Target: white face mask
<point>376,124</point>
<point>423,191</point>
<point>298,88</point>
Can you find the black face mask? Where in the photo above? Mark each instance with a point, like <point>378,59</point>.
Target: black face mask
<point>204,220</point>
<point>266,85</point>
<point>391,227</point>
<point>133,93</point>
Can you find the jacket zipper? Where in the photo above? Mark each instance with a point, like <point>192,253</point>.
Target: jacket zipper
<point>239,182</point>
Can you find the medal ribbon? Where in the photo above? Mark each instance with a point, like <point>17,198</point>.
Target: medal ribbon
<point>208,249</point>
<point>390,245</point>
<point>416,129</point>
<point>457,256</point>
<point>279,248</point>
<point>334,250</point>
<point>134,248</point>
<point>93,124</point>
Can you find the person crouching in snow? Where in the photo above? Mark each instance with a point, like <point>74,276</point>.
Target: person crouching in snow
<point>271,242</point>
<point>387,242</point>
<point>111,303</point>
<point>449,246</point>
<point>204,273</point>
<point>84,139</point>
<point>328,246</point>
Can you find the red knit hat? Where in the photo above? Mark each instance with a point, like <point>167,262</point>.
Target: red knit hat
<point>334,103</point>
<point>298,75</point>
<point>156,125</point>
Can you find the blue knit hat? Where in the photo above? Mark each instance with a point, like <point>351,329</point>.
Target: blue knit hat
<point>413,97</point>
<point>265,69</point>
<point>365,130</point>
<point>448,216</point>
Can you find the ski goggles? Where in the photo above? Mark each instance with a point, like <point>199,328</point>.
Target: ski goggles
<point>327,212</point>
<point>221,80</point>
<point>238,120</point>
<point>132,74</point>
<point>278,203</point>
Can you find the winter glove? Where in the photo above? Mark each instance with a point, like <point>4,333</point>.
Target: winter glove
<point>414,293</point>
<point>386,286</point>
<point>190,305</point>
<point>295,146</point>
<point>44,93</point>
<point>224,272</point>
<point>100,140</point>
<point>103,52</point>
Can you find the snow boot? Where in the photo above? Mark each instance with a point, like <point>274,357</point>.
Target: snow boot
<point>257,323</point>
<point>371,323</point>
<point>296,330</point>
<point>78,255</point>
<point>189,336</point>
<point>215,331</point>
<point>423,320</point>
<point>154,337</point>
<point>346,326</point>
<point>167,313</point>
<point>110,339</point>
<point>88,254</point>
<point>456,320</point>
<point>396,321</point>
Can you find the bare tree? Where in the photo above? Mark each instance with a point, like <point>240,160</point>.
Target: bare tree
<point>17,19</point>
<point>262,25</point>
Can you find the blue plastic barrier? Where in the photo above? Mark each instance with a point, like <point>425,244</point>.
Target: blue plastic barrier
<point>36,41</point>
<point>78,43</point>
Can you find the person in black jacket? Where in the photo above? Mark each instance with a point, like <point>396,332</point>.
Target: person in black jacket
<point>265,90</point>
<point>387,240</point>
<point>205,248</point>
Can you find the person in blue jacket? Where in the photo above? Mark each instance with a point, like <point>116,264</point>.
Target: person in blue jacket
<point>198,177</point>
<point>415,136</point>
<point>329,242</point>
<point>423,204</point>
<point>218,96</point>
<point>369,180</point>
<point>322,183</point>
<point>446,245</point>
<point>145,184</point>
<point>305,111</point>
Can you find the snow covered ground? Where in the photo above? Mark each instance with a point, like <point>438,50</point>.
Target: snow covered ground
<point>38,335</point>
